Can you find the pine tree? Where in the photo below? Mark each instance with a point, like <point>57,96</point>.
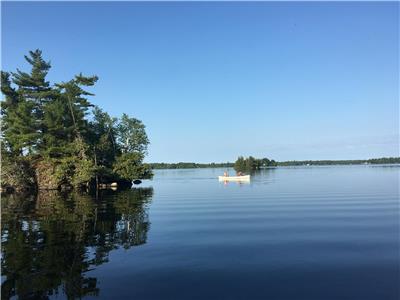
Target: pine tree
<point>59,129</point>
<point>22,131</point>
<point>64,117</point>
<point>8,111</point>
<point>26,123</point>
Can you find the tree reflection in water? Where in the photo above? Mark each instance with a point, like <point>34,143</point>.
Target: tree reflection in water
<point>51,240</point>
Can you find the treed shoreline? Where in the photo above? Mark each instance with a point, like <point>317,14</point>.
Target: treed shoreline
<point>54,138</point>
<point>192,165</point>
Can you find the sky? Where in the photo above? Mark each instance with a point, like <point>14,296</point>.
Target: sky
<point>215,80</point>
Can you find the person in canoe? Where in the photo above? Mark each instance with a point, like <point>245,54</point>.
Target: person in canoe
<point>239,174</point>
<point>226,174</point>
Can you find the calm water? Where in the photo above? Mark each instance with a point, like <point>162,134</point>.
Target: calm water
<point>292,233</point>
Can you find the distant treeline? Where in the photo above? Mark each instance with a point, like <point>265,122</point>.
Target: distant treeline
<point>189,165</point>
<point>251,163</point>
<point>383,160</point>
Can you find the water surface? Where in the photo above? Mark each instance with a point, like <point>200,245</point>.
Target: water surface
<point>291,233</point>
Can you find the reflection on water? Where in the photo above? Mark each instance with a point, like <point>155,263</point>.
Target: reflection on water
<point>312,233</point>
<point>51,240</point>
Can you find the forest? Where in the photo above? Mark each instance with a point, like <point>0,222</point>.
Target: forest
<point>53,137</point>
<point>383,160</point>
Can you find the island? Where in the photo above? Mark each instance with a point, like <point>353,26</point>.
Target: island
<point>53,137</point>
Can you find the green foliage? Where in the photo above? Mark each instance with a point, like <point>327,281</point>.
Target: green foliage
<point>384,160</point>
<point>16,172</point>
<point>251,164</point>
<point>20,129</point>
<point>102,137</point>
<point>85,172</point>
<point>24,123</point>
<point>240,164</point>
<point>59,134</point>
<point>51,123</point>
<point>65,171</point>
<point>132,135</point>
<point>74,171</point>
<point>130,166</point>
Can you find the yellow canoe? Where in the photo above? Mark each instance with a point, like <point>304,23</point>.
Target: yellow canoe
<point>234,178</point>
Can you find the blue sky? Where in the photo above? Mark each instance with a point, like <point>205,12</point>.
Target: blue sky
<point>215,80</point>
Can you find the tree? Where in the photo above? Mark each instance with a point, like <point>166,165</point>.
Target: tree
<point>33,92</point>
<point>60,131</point>
<point>102,136</point>
<point>265,162</point>
<point>73,95</point>
<point>18,124</point>
<point>240,164</point>
<point>130,166</point>
<point>65,117</point>
<point>8,109</point>
<point>132,136</point>
<point>20,129</point>
<point>251,164</point>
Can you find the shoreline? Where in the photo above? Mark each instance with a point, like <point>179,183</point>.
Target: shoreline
<point>293,163</point>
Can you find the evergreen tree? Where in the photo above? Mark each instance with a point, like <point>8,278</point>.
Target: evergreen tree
<point>60,130</point>
<point>8,112</point>
<point>21,129</point>
<point>73,96</point>
<point>33,92</point>
<point>11,96</point>
<point>64,117</point>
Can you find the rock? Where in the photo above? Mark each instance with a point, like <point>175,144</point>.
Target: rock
<point>137,181</point>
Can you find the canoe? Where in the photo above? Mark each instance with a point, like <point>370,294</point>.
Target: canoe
<point>234,178</point>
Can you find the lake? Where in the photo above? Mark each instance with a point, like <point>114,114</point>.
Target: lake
<point>291,233</point>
